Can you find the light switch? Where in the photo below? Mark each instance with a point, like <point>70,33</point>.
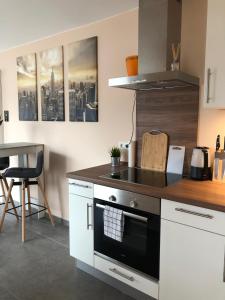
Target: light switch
<point>6,115</point>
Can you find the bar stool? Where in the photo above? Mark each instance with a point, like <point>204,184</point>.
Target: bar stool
<point>24,175</point>
<point>4,164</point>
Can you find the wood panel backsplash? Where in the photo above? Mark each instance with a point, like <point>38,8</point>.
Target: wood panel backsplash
<point>174,112</point>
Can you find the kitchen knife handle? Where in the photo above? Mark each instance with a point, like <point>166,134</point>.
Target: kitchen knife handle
<point>218,142</point>
<point>209,73</point>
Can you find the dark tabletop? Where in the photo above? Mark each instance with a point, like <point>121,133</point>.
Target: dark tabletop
<point>207,194</point>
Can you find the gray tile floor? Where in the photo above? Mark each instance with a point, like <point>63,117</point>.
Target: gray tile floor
<point>41,268</point>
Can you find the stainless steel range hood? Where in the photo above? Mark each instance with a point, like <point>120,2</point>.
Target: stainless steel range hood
<point>155,81</point>
<point>159,28</point>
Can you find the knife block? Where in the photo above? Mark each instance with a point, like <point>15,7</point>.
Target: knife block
<point>218,168</point>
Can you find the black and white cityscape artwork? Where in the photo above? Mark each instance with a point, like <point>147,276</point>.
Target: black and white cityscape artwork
<point>52,84</point>
<point>83,80</point>
<point>27,87</point>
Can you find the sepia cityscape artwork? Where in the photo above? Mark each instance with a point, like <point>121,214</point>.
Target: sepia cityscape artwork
<point>52,84</point>
<point>27,87</point>
<point>83,80</point>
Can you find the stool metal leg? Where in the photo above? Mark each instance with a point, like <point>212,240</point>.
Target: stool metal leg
<point>6,204</point>
<point>23,213</point>
<point>11,199</point>
<point>46,202</point>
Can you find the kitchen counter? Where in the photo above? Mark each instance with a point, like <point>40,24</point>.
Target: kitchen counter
<point>205,194</point>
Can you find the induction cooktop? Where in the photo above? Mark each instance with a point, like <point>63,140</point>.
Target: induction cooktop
<point>144,177</point>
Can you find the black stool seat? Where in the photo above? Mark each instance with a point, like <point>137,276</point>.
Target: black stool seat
<point>24,173</point>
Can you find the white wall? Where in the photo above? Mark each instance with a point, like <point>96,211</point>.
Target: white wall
<point>72,146</point>
<point>1,112</point>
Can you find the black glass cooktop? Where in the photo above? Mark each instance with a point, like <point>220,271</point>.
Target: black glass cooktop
<point>145,177</point>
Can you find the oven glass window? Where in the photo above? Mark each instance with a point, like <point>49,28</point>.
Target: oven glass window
<point>135,236</point>
<point>139,248</point>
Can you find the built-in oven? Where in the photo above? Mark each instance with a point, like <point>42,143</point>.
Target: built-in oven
<point>140,245</point>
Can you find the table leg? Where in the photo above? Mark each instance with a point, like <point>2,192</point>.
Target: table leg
<point>23,213</point>
<point>42,181</point>
<point>23,162</point>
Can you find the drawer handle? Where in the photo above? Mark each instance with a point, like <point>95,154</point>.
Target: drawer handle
<point>224,268</point>
<point>117,272</point>
<point>186,211</point>
<point>81,185</point>
<point>89,225</point>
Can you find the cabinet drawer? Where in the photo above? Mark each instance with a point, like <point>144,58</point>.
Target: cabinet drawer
<point>202,218</point>
<point>81,188</point>
<point>127,276</point>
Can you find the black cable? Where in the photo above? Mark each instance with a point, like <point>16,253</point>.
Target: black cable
<point>134,104</point>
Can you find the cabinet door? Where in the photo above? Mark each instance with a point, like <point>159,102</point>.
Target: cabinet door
<point>214,84</point>
<point>81,228</point>
<point>191,263</point>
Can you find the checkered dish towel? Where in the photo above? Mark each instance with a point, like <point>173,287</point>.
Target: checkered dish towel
<point>113,223</point>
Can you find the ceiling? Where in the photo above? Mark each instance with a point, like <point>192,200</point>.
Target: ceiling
<point>23,21</point>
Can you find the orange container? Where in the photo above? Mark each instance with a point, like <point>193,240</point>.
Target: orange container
<point>132,65</point>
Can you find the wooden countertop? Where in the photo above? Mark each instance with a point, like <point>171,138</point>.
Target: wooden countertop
<point>206,194</point>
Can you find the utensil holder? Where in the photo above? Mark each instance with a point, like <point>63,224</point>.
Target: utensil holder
<point>131,154</point>
<point>219,167</point>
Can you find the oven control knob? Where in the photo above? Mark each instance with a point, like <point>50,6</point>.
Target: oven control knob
<point>133,203</point>
<point>112,198</point>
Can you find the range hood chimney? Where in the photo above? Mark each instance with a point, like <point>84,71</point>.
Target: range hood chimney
<point>159,28</point>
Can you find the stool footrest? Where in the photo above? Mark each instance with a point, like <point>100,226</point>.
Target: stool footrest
<point>8,211</point>
<point>26,181</point>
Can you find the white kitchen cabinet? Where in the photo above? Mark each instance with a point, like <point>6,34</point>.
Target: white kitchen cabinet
<point>191,259</point>
<point>214,83</point>
<point>81,225</point>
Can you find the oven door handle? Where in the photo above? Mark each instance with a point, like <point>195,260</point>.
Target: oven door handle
<point>127,214</point>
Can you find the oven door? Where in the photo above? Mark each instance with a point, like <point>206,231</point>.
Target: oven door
<point>139,248</point>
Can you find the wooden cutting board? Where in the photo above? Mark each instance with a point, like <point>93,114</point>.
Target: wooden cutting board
<point>154,151</point>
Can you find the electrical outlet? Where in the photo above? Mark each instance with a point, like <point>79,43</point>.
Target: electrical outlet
<point>124,150</point>
<point>123,145</point>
